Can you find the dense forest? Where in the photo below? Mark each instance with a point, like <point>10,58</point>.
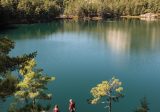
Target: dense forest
<point>111,8</point>
<point>28,10</point>
<point>42,10</point>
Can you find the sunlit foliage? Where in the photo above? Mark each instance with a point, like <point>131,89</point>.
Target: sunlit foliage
<point>41,10</point>
<point>111,8</point>
<point>33,85</point>
<point>7,65</point>
<point>112,90</point>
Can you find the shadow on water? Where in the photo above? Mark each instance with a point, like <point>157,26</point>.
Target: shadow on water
<point>6,28</point>
<point>32,31</point>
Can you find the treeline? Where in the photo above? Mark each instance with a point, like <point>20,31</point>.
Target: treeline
<point>38,10</point>
<point>111,8</point>
<point>28,10</point>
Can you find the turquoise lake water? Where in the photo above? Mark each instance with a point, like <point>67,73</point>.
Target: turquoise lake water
<point>82,54</point>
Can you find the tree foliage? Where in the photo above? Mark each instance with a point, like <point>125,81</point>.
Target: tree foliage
<point>28,10</point>
<point>41,10</point>
<point>107,89</point>
<point>8,86</point>
<point>28,108</point>
<point>111,8</point>
<point>7,64</point>
<point>33,85</point>
<point>143,106</point>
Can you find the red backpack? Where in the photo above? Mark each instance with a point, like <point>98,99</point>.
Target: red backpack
<point>72,105</point>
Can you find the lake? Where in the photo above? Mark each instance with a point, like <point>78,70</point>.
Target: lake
<point>81,54</point>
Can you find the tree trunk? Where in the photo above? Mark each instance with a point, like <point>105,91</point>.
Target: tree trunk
<point>33,104</point>
<point>110,104</point>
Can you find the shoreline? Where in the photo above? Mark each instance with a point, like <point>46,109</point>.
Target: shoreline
<point>71,17</point>
<point>144,16</point>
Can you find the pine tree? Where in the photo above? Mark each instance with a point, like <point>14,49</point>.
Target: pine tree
<point>33,86</point>
<point>7,65</point>
<point>108,91</point>
<point>143,106</point>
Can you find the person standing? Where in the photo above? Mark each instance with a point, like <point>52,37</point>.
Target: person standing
<point>72,107</point>
<point>56,109</point>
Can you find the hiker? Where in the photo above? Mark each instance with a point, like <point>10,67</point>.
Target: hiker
<point>72,106</point>
<point>56,109</point>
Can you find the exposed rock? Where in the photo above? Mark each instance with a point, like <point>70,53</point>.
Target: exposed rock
<point>149,15</point>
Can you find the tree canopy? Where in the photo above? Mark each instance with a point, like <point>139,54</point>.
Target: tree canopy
<point>33,86</point>
<point>46,10</point>
<point>7,65</point>
<point>111,8</point>
<point>109,89</point>
<point>28,10</point>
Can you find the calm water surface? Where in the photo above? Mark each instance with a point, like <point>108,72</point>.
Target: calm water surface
<point>82,54</point>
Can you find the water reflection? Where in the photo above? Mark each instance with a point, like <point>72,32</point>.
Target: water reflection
<point>118,41</point>
<point>122,36</point>
<point>33,31</point>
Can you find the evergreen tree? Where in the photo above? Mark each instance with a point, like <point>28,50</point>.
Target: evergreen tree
<point>108,91</point>
<point>7,64</point>
<point>143,106</point>
<point>33,86</point>
<point>7,86</point>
